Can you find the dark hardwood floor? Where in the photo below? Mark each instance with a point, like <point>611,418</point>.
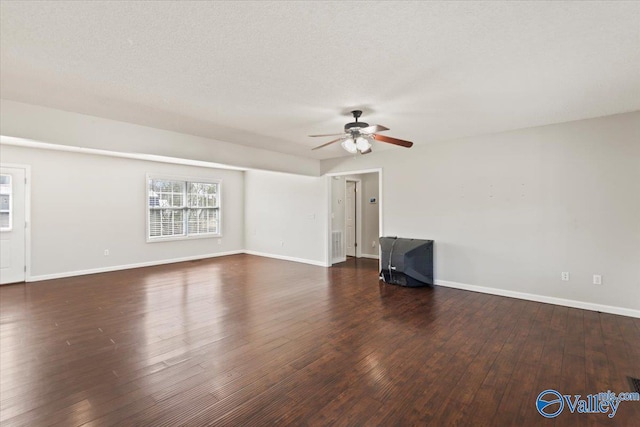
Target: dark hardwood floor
<point>243,340</point>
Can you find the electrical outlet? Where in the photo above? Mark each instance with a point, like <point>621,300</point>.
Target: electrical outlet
<point>597,279</point>
<point>219,241</point>
<point>373,244</point>
<point>281,242</point>
<point>564,276</point>
<point>106,252</point>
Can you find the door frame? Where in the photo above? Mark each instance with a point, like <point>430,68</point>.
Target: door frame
<point>329,177</point>
<point>357,217</point>
<point>27,215</point>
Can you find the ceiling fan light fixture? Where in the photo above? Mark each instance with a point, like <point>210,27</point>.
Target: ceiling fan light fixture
<point>350,145</point>
<point>362,144</point>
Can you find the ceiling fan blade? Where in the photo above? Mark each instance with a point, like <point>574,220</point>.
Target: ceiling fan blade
<point>328,134</point>
<point>324,145</point>
<point>394,141</point>
<point>373,129</point>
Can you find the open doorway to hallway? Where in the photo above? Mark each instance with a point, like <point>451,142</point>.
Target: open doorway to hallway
<point>355,215</point>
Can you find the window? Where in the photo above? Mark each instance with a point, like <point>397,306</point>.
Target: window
<point>5,203</point>
<point>182,208</point>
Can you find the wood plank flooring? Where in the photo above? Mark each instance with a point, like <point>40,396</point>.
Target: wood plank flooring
<point>243,340</point>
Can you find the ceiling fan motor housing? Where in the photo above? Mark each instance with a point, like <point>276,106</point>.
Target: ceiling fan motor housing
<point>354,126</point>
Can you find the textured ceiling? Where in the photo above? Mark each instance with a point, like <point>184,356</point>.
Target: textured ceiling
<point>267,74</point>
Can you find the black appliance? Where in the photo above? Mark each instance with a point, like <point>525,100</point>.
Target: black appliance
<point>407,262</point>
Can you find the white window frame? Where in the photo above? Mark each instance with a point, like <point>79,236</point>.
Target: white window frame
<point>7,190</point>
<point>186,180</point>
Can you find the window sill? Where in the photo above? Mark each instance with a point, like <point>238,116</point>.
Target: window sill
<point>176,238</point>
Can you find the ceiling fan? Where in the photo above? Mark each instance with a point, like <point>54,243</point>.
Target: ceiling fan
<point>357,136</point>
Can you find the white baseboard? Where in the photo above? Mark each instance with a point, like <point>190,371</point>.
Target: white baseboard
<point>127,266</point>
<point>541,298</point>
<point>287,258</point>
<point>368,256</point>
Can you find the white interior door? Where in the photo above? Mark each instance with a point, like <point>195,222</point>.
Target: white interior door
<point>350,218</point>
<point>12,225</point>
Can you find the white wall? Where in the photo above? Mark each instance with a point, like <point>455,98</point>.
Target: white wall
<point>62,127</point>
<point>82,204</point>
<point>337,203</point>
<point>286,216</point>
<point>511,211</point>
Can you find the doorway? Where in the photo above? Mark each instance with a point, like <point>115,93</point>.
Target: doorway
<point>355,220</point>
<point>13,223</point>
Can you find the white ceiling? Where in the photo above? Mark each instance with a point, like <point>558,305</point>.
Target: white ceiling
<point>267,74</point>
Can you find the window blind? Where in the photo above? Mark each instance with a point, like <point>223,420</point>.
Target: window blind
<point>183,208</point>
